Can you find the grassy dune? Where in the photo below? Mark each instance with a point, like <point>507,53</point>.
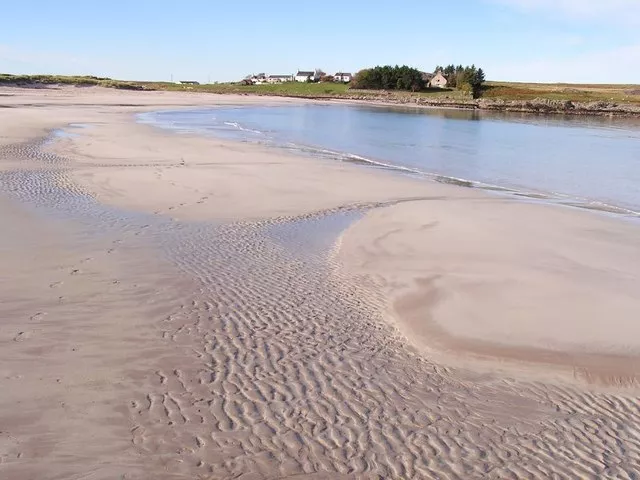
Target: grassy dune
<point>81,81</point>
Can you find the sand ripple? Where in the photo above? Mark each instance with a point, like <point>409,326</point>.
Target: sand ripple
<point>276,366</point>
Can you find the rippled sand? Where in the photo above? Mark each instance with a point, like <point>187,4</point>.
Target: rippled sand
<point>176,342</point>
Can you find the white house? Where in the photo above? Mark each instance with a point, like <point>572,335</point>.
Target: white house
<point>304,76</point>
<point>342,77</point>
<point>279,78</point>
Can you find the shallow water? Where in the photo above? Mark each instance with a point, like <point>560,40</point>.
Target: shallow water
<point>585,159</point>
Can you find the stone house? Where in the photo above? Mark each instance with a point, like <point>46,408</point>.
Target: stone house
<point>438,80</point>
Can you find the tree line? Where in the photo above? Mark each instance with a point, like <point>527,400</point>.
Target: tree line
<point>389,78</point>
<point>468,79</point>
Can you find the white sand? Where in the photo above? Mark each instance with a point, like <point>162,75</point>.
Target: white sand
<point>229,357</point>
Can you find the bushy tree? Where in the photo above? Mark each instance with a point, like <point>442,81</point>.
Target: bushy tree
<point>450,73</point>
<point>389,78</point>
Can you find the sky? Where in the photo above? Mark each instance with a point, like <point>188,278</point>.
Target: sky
<point>584,41</point>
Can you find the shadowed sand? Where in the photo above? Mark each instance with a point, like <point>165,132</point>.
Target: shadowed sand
<point>183,307</point>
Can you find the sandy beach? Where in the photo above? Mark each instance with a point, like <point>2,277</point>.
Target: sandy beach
<point>178,306</point>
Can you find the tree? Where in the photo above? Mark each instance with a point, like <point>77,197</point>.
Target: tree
<point>449,73</point>
<point>362,79</point>
<point>477,83</point>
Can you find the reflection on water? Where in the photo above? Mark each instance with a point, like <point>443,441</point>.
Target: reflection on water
<point>584,158</point>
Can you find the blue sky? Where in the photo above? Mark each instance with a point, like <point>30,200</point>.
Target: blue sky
<point>520,40</point>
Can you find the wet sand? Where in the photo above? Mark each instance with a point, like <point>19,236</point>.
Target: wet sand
<point>181,307</point>
<point>470,280</point>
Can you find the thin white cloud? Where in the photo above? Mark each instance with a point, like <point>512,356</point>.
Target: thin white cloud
<point>619,65</point>
<point>614,11</point>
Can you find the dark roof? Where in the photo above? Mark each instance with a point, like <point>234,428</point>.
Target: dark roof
<point>279,76</point>
<point>342,74</point>
<point>427,75</point>
<point>190,81</point>
<point>305,74</point>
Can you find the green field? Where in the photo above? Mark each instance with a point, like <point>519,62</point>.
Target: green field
<point>622,94</point>
<point>563,91</point>
<point>289,88</point>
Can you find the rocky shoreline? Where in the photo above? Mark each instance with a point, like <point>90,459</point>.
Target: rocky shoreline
<point>536,106</point>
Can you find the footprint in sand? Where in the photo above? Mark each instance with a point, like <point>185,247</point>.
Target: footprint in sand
<point>75,271</point>
<point>21,336</point>
<point>37,317</point>
<point>55,284</point>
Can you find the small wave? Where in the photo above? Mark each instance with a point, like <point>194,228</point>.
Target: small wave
<point>555,197</point>
<point>352,158</point>
<point>603,207</point>
<point>243,129</point>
